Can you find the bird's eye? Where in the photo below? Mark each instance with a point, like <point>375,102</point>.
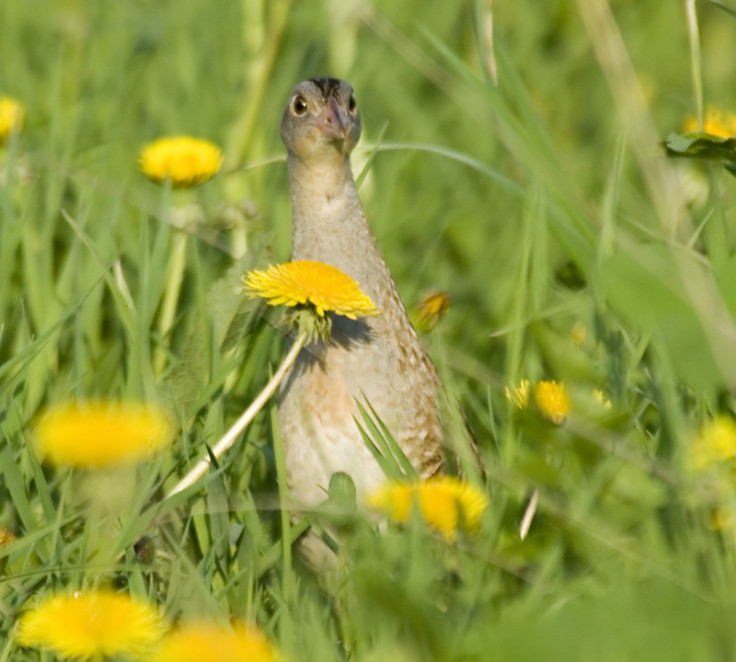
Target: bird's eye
<point>299,105</point>
<point>352,105</point>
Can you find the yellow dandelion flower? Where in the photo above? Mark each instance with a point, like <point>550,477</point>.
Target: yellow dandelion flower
<point>601,399</point>
<point>552,399</point>
<point>94,434</point>
<point>519,395</point>
<point>722,519</point>
<point>715,444</point>
<point>184,160</point>
<point>395,499</point>
<point>431,309</point>
<point>716,123</point>
<point>86,625</point>
<point>444,503</point>
<point>579,334</point>
<point>12,115</point>
<point>7,537</point>
<point>305,281</point>
<point>209,642</point>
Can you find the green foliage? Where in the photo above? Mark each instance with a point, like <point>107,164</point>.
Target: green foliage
<point>701,145</point>
<point>506,172</point>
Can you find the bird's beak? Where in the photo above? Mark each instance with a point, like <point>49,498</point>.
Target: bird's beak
<point>331,121</point>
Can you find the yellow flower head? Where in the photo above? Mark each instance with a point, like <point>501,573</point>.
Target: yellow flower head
<point>12,114</point>
<point>208,642</point>
<point>431,309</point>
<point>184,160</point>
<point>715,444</point>
<point>579,333</point>
<point>722,519</point>
<point>601,399</point>
<point>6,537</point>
<point>305,281</point>
<point>553,401</point>
<point>94,434</point>
<point>717,123</point>
<point>86,625</point>
<point>519,395</point>
<point>444,503</point>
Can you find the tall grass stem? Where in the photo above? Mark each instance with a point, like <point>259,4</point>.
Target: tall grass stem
<point>228,439</point>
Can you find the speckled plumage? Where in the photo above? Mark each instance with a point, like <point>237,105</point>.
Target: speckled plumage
<point>377,359</point>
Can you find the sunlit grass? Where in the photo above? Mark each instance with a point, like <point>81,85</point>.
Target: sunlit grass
<point>513,165</point>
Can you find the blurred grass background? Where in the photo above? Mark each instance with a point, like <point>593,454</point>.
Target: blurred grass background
<point>514,162</point>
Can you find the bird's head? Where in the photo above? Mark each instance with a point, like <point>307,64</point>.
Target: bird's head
<point>321,119</point>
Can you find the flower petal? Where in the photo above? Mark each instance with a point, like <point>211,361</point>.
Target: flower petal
<point>306,281</point>
<point>184,160</point>
<point>101,433</point>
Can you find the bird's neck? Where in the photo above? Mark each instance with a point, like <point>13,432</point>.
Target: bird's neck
<point>328,223</point>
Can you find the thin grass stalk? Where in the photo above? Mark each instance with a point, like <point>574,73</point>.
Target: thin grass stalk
<point>715,231</point>
<point>174,276</point>
<point>228,439</point>
<point>613,57</point>
<point>696,61</point>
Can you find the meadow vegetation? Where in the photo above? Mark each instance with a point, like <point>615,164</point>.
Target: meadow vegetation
<point>513,158</point>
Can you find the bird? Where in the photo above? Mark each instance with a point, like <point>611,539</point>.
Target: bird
<point>376,361</point>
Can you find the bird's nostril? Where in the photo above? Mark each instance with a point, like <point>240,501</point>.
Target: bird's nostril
<point>332,122</point>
